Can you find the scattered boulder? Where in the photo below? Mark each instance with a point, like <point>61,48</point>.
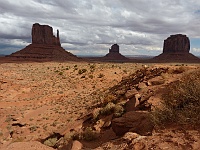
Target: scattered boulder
<point>138,146</point>
<point>131,93</point>
<point>156,81</point>
<point>133,121</point>
<point>76,145</point>
<point>130,136</point>
<point>132,103</point>
<point>142,85</point>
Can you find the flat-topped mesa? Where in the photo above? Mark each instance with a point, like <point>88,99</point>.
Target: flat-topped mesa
<point>178,43</point>
<point>43,34</point>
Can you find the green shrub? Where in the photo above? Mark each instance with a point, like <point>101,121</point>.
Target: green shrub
<point>91,76</point>
<point>51,142</point>
<point>101,75</point>
<point>108,109</point>
<point>60,73</point>
<point>118,110</point>
<point>89,134</point>
<point>81,71</point>
<point>180,102</point>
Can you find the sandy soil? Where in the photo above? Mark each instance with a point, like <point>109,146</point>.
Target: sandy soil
<point>38,99</point>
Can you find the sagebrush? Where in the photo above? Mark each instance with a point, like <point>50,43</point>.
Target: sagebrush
<point>180,102</point>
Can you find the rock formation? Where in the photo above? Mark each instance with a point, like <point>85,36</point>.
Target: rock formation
<point>176,44</point>
<point>114,49</point>
<point>176,49</point>
<point>43,34</point>
<point>45,46</point>
<point>134,121</point>
<point>114,54</point>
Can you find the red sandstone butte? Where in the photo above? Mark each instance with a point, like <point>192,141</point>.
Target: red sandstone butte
<point>176,49</point>
<point>45,46</point>
<point>114,54</point>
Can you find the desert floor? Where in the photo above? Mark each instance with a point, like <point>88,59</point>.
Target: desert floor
<point>38,99</point>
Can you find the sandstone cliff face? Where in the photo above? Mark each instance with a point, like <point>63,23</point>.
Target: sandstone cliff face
<point>43,34</point>
<point>176,44</point>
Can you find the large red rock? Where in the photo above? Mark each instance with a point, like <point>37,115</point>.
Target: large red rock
<point>133,121</point>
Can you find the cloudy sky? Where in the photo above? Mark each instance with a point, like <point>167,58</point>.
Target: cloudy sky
<point>90,27</point>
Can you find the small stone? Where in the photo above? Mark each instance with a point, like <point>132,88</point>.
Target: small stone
<point>142,85</point>
<point>129,136</point>
<point>76,145</point>
<point>131,93</point>
<point>139,146</point>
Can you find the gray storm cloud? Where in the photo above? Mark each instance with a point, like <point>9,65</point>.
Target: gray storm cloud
<point>91,26</point>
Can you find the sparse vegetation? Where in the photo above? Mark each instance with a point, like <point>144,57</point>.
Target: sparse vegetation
<point>101,75</point>
<point>51,142</point>
<point>180,102</point>
<point>89,134</point>
<point>116,109</point>
<point>81,71</point>
<point>33,128</point>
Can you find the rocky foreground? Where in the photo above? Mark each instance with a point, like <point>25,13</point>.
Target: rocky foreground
<point>88,106</point>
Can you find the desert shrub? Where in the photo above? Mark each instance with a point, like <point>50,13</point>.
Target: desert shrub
<point>92,66</point>
<point>81,71</point>
<point>110,98</point>
<point>101,75</point>
<point>33,128</point>
<point>180,102</point>
<point>60,73</point>
<point>108,109</point>
<point>51,142</point>
<point>118,110</point>
<point>89,134</point>
<point>91,76</point>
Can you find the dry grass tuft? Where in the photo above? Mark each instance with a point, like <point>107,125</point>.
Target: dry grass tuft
<point>180,102</point>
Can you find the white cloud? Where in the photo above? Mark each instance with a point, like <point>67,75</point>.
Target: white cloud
<point>92,26</point>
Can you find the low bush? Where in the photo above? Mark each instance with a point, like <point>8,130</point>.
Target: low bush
<point>81,71</point>
<point>180,102</point>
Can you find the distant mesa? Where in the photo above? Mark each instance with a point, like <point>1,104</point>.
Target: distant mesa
<point>114,54</point>
<point>176,49</point>
<point>45,46</point>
